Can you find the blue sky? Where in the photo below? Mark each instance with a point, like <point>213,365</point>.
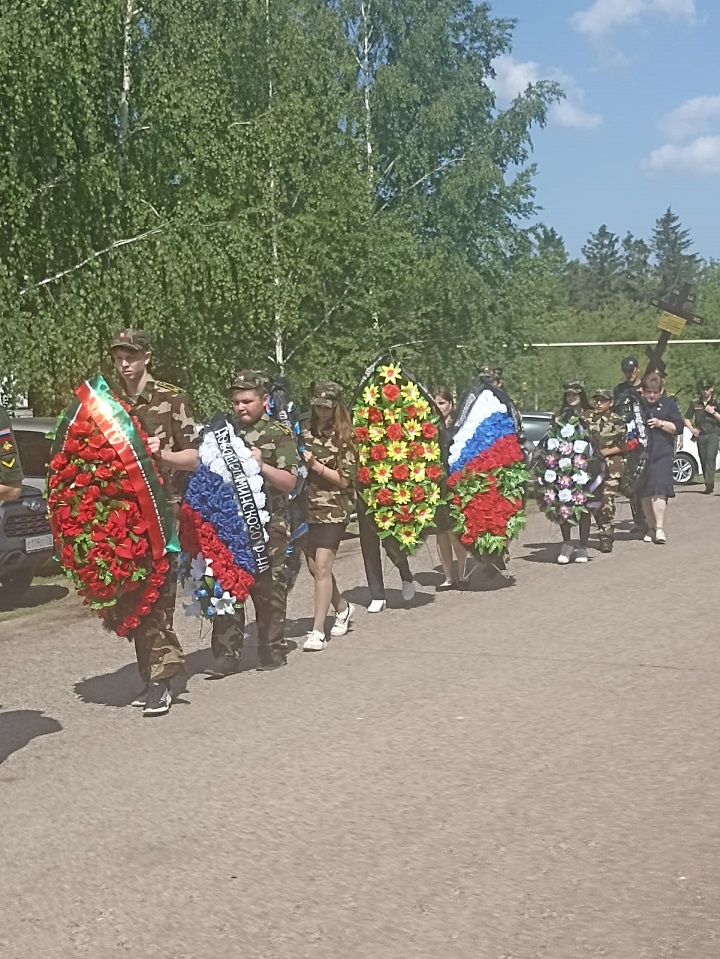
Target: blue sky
<point>640,129</point>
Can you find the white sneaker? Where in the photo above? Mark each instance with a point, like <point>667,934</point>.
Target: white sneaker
<point>377,606</point>
<point>342,621</point>
<point>581,555</point>
<point>660,537</point>
<point>315,643</point>
<point>566,552</point>
<point>408,591</point>
<point>648,537</point>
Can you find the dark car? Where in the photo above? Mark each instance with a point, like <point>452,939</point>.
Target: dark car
<point>536,426</point>
<point>26,541</point>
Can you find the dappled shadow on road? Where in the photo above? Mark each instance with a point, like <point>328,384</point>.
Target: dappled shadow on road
<point>542,552</point>
<point>361,596</point>
<point>36,596</point>
<point>18,727</point>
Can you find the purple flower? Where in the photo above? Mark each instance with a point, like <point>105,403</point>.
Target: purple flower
<point>565,512</point>
<point>550,496</point>
<point>579,497</point>
<point>551,461</point>
<point>580,461</point>
<point>565,482</point>
<point>565,448</point>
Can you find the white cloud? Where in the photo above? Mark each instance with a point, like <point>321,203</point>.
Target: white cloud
<point>603,16</point>
<point>701,157</point>
<point>512,77</point>
<point>691,118</point>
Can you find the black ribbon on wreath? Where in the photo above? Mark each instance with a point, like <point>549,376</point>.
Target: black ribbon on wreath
<point>637,457</point>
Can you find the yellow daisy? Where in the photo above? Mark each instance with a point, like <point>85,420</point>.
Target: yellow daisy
<point>371,394</point>
<point>382,474</point>
<point>423,408</point>
<point>361,415</point>
<point>392,415</point>
<point>363,456</point>
<point>391,373</point>
<point>402,494</point>
<point>424,514</point>
<point>376,433</point>
<point>398,451</point>
<point>410,392</point>
<point>433,496</point>
<point>417,472</point>
<point>413,429</point>
<point>407,536</point>
<point>384,520</point>
<point>431,451</point>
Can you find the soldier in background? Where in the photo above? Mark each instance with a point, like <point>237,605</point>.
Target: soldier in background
<point>164,413</point>
<point>273,447</point>
<point>703,420</point>
<point>609,431</point>
<point>11,474</point>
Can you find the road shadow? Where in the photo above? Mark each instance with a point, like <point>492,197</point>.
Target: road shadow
<point>18,727</point>
<point>541,552</point>
<point>36,596</point>
<point>360,595</point>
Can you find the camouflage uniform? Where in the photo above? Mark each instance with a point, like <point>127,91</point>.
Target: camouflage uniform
<point>708,441</point>
<point>269,594</point>
<point>164,412</point>
<point>328,503</point>
<point>608,430</point>
<point>10,470</point>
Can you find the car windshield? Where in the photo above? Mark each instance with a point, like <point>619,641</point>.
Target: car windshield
<point>34,451</point>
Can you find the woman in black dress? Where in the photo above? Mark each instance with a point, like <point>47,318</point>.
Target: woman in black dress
<point>665,423</point>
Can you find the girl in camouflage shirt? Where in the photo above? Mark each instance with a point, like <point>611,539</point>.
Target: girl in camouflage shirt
<point>330,454</point>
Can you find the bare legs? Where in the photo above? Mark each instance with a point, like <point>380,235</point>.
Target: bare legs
<point>326,588</point>
<point>447,544</point>
<point>654,508</point>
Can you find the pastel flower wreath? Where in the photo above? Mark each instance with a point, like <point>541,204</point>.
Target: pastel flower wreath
<point>568,471</point>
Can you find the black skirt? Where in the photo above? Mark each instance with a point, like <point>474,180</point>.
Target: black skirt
<point>324,536</point>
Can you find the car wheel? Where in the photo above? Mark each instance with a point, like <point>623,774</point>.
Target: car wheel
<point>683,469</point>
<point>14,587</point>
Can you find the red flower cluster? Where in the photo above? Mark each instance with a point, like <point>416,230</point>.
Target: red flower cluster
<point>99,528</point>
<point>394,431</point>
<point>503,452</point>
<point>391,392</point>
<point>200,537</point>
<point>401,472</point>
<point>488,512</point>
<point>378,452</point>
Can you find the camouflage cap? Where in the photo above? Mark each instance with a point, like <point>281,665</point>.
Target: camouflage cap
<point>574,386</point>
<point>603,395</point>
<point>327,394</point>
<point>250,380</point>
<point>131,339</point>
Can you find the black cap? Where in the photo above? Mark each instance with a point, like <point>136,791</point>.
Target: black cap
<point>628,363</point>
<point>706,383</point>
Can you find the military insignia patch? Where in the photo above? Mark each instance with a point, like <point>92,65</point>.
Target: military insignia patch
<point>8,463</point>
<point>7,447</point>
<point>169,386</point>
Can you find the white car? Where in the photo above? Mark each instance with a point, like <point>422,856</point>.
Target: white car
<point>686,464</point>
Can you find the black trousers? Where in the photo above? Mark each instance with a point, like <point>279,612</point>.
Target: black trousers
<point>370,545</point>
<point>707,445</point>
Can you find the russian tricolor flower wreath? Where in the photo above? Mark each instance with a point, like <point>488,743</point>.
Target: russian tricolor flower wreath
<point>637,456</point>
<point>223,523</point>
<point>400,467</point>
<point>487,473</point>
<point>569,471</point>
<point>111,521</point>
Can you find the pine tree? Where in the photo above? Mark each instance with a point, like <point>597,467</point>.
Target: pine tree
<point>604,264</point>
<point>671,245</point>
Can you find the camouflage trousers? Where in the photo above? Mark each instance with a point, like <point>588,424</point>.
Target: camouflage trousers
<point>158,650</point>
<point>605,515</point>
<point>269,596</point>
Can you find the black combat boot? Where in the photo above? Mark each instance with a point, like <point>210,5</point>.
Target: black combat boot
<point>606,546</point>
<point>271,658</point>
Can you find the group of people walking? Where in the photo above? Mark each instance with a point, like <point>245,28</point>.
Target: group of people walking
<point>327,448</point>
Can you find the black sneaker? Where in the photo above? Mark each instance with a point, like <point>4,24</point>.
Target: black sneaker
<point>226,666</point>
<point>271,659</point>
<point>159,698</point>
<point>606,546</point>
<point>141,698</point>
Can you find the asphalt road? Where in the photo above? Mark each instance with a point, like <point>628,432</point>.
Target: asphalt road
<point>508,773</point>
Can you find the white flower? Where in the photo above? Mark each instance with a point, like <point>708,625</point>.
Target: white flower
<point>550,476</point>
<point>199,568</point>
<point>552,443</point>
<point>579,446</point>
<point>581,478</point>
<point>225,605</point>
<point>565,463</point>
<point>567,431</point>
<point>564,495</point>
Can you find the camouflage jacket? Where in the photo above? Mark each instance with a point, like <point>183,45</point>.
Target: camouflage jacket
<point>165,412</point>
<point>609,429</point>
<point>277,445</point>
<point>328,503</point>
<point>10,469</point>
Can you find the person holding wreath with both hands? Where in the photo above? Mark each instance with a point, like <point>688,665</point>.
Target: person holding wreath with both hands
<point>330,454</point>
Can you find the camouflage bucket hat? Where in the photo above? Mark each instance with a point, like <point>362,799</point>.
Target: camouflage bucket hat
<point>249,380</point>
<point>131,339</point>
<point>327,394</point>
<point>574,386</point>
<point>605,395</point>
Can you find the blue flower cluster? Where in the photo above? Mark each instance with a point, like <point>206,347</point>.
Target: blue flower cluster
<point>215,501</point>
<point>488,432</point>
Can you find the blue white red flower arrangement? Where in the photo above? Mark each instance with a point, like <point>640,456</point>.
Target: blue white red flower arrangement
<point>487,473</point>
<point>219,562</point>
<point>568,471</point>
